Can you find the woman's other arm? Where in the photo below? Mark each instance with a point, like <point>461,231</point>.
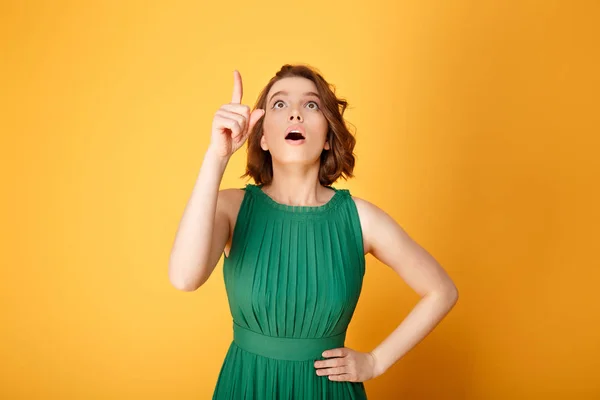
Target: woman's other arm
<point>389,243</point>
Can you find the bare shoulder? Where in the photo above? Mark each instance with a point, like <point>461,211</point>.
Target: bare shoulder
<point>373,220</point>
<point>366,211</point>
<point>229,201</point>
<point>230,196</point>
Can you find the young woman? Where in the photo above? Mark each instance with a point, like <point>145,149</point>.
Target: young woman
<point>294,247</point>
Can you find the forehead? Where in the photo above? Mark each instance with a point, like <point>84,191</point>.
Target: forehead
<point>293,85</point>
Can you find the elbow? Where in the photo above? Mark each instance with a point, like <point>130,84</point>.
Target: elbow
<point>450,294</point>
<point>184,287</point>
<point>446,295</point>
<point>182,281</point>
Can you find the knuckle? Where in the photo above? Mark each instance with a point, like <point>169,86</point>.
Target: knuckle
<point>238,117</point>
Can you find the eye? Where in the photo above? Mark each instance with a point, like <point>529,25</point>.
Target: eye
<point>316,107</point>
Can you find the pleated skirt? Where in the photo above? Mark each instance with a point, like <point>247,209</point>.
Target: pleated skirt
<point>248,376</point>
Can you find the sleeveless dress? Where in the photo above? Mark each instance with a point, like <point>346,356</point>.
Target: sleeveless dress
<point>293,278</point>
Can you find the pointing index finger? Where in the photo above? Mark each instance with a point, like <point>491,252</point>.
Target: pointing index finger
<point>238,91</point>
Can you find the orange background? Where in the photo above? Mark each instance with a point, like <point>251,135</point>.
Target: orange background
<point>478,131</point>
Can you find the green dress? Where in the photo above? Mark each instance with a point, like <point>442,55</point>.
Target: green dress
<point>293,278</point>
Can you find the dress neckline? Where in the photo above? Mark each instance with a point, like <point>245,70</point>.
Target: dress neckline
<point>333,201</point>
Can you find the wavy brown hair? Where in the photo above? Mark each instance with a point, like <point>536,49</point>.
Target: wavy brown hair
<point>336,162</point>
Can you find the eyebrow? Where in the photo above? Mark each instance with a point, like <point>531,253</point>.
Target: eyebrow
<point>283,92</point>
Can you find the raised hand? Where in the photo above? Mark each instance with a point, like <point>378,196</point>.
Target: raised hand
<point>233,122</point>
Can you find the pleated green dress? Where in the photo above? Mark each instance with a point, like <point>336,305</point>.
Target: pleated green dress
<point>293,278</point>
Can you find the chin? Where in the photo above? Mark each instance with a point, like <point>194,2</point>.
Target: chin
<point>301,158</point>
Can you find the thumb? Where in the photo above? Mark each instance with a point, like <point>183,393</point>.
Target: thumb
<point>254,117</point>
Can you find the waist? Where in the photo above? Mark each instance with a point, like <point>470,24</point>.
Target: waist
<point>282,348</point>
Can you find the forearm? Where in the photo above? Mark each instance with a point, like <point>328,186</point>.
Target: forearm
<point>422,319</point>
<point>192,243</point>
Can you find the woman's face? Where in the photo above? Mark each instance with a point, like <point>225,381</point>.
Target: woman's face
<point>293,104</point>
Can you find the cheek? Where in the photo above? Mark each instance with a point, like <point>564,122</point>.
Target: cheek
<point>267,132</point>
<point>271,123</point>
<point>323,125</point>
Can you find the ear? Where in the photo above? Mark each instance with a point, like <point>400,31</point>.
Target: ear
<point>263,143</point>
<point>326,146</point>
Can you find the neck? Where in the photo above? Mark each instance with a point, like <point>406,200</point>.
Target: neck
<point>297,188</point>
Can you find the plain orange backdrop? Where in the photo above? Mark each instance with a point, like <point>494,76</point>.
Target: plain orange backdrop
<point>478,131</point>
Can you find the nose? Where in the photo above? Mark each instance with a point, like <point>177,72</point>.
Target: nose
<point>295,116</point>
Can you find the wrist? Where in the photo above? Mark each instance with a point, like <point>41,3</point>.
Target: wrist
<point>212,155</point>
<point>379,367</point>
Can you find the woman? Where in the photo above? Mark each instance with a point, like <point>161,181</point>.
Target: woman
<point>295,247</point>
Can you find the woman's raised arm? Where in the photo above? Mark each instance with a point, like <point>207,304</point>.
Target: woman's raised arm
<point>204,227</point>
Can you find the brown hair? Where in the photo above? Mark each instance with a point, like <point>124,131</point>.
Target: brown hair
<point>335,162</point>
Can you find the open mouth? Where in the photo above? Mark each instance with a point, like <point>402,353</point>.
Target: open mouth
<point>294,135</point>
